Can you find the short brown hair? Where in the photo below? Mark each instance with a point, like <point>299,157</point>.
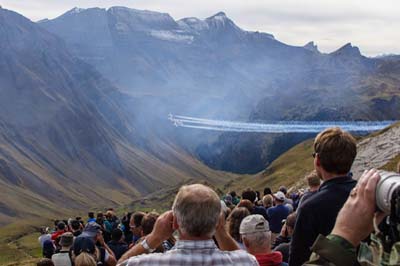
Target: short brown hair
<point>336,150</point>
<point>234,220</point>
<point>291,220</point>
<point>137,217</point>
<point>313,179</point>
<point>148,222</point>
<point>246,204</point>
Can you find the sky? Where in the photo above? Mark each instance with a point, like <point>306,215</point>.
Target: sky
<point>371,25</point>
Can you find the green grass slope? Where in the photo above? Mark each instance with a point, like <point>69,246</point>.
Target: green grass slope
<point>290,168</point>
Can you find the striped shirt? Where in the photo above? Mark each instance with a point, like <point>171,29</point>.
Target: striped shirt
<point>194,253</point>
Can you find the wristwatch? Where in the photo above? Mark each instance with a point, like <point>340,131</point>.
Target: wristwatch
<point>146,246</point>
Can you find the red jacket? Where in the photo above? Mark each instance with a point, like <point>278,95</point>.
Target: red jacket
<point>271,259</point>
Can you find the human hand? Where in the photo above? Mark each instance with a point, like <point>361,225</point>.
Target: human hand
<point>221,222</point>
<point>355,219</point>
<point>162,230</point>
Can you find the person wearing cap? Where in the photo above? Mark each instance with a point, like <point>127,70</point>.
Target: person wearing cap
<point>63,258</point>
<point>256,236</point>
<point>277,214</point>
<point>334,153</point>
<point>196,215</point>
<point>92,231</point>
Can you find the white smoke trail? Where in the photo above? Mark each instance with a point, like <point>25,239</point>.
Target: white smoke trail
<point>275,127</point>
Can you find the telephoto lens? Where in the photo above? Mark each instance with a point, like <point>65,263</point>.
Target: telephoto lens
<point>385,190</point>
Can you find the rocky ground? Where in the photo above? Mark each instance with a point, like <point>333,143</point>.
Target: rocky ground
<point>377,151</point>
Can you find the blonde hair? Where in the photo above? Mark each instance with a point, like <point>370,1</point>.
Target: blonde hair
<point>267,201</point>
<point>85,259</point>
<point>313,179</point>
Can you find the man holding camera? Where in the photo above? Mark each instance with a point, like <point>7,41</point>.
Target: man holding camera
<point>354,223</point>
<point>334,153</point>
<point>358,218</point>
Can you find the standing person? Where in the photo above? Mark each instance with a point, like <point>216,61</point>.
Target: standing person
<point>85,252</point>
<point>233,222</point>
<point>277,214</point>
<point>334,153</point>
<point>117,243</point>
<point>93,232</point>
<point>91,217</point>
<point>282,242</point>
<point>314,183</point>
<point>126,228</point>
<point>267,191</point>
<point>268,202</point>
<point>76,227</point>
<point>44,235</point>
<point>196,215</point>
<point>251,195</point>
<point>63,258</point>
<point>136,226</point>
<point>60,230</point>
<point>256,236</point>
<point>235,198</point>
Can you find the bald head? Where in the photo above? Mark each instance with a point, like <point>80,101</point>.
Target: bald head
<point>197,209</point>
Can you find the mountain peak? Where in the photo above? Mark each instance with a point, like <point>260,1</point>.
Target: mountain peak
<point>221,21</point>
<point>75,10</point>
<point>220,14</point>
<point>348,50</point>
<point>311,46</point>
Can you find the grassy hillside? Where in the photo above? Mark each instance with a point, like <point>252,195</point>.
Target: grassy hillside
<point>291,167</point>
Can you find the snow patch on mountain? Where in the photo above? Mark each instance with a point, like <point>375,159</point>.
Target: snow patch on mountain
<point>171,36</point>
<point>76,10</point>
<point>193,24</point>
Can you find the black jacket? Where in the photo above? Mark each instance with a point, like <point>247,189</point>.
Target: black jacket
<point>317,216</point>
<point>119,248</point>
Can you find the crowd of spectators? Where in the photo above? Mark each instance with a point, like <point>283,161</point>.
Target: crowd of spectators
<point>202,228</point>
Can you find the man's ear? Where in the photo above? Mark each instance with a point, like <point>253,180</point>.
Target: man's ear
<point>175,224</point>
<point>318,160</point>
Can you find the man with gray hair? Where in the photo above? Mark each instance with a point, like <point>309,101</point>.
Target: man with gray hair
<point>196,215</point>
<point>256,236</point>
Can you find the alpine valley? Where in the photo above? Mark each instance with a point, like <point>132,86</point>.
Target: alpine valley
<point>85,99</point>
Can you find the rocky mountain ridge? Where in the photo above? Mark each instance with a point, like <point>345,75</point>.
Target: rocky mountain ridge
<point>66,141</point>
